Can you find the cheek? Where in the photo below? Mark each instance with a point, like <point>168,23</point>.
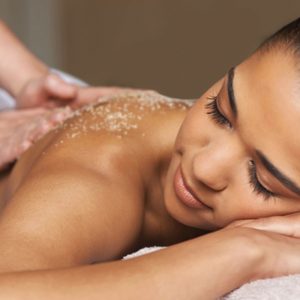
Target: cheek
<point>239,202</point>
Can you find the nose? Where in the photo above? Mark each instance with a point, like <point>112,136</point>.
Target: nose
<point>214,164</point>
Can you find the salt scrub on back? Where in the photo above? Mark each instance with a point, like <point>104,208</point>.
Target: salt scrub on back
<point>119,114</point>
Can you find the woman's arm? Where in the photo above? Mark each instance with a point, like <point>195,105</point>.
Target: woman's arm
<point>203,268</point>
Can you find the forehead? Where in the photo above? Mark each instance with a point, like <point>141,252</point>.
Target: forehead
<point>267,93</point>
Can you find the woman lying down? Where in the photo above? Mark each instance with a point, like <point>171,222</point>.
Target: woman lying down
<point>143,170</point>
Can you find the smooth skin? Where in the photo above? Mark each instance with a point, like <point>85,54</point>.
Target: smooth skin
<point>98,197</point>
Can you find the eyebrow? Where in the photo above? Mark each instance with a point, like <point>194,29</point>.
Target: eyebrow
<point>278,174</point>
<point>230,91</point>
<point>287,182</point>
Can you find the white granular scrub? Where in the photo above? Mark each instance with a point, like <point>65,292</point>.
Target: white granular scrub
<point>120,114</point>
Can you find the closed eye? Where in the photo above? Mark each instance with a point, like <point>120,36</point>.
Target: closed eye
<point>214,112</point>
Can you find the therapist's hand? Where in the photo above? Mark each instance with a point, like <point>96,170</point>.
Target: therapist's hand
<point>46,91</point>
<point>51,91</point>
<point>19,129</point>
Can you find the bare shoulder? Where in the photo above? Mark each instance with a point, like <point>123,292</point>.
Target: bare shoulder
<point>127,113</point>
<point>82,188</point>
<point>134,118</point>
<point>67,212</point>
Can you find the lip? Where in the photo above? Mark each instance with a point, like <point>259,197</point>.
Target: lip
<point>185,193</point>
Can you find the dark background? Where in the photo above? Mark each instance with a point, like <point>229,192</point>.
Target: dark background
<point>176,47</point>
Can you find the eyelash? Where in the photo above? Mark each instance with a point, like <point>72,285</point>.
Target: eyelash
<point>258,188</point>
<point>213,111</point>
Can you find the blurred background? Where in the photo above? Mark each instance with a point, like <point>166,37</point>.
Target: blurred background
<point>178,47</point>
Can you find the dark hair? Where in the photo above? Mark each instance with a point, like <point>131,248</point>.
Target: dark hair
<point>288,38</point>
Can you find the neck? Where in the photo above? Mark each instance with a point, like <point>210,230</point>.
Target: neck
<point>159,227</point>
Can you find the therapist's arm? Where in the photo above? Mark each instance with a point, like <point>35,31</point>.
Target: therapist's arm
<point>17,64</point>
<point>26,77</point>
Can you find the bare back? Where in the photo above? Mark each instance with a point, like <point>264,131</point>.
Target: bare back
<point>92,188</point>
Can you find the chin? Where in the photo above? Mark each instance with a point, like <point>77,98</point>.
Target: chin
<point>188,217</point>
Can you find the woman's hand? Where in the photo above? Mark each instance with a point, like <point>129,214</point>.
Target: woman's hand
<point>279,239</point>
<point>278,254</point>
<point>286,225</point>
<point>19,129</point>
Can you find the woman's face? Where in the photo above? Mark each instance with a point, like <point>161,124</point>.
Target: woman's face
<point>238,149</point>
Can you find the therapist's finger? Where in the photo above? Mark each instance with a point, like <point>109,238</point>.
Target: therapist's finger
<point>58,88</point>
